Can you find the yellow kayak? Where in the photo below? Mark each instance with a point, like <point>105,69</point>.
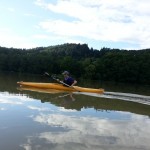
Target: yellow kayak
<point>57,86</point>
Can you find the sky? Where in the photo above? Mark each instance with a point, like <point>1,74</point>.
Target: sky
<point>123,24</point>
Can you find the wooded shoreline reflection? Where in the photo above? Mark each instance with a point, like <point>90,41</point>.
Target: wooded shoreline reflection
<point>82,101</point>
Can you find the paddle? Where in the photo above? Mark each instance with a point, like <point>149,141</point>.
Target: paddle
<point>53,77</point>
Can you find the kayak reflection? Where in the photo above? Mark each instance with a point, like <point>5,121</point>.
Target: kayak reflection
<point>65,96</point>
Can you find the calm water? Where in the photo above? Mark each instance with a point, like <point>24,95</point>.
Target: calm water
<point>33,120</point>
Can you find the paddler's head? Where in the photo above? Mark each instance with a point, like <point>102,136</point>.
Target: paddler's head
<point>65,73</point>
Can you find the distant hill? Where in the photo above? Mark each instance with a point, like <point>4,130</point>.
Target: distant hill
<point>105,64</point>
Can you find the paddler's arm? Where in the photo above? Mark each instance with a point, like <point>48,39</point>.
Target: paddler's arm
<point>75,82</point>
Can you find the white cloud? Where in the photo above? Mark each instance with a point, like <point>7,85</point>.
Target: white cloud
<point>80,21</point>
<point>66,29</point>
<point>114,20</point>
<point>30,15</point>
<point>9,38</point>
<point>41,36</point>
<point>11,9</point>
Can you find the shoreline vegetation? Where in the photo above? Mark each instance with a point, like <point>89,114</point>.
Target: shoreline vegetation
<point>127,66</point>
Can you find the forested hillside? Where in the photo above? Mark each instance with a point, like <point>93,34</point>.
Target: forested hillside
<point>105,64</point>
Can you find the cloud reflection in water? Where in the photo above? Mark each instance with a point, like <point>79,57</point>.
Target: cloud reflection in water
<point>72,131</point>
<point>93,133</point>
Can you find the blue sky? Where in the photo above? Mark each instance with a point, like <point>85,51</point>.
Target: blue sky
<point>98,23</point>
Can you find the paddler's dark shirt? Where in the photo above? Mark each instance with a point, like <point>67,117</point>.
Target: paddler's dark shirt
<point>69,80</point>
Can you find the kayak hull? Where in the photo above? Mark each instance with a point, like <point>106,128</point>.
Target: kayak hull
<point>57,86</point>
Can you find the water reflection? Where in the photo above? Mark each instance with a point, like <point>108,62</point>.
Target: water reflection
<point>45,126</point>
<point>78,101</point>
<point>31,120</point>
<point>92,133</point>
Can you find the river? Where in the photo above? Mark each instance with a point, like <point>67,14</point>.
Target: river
<point>119,119</point>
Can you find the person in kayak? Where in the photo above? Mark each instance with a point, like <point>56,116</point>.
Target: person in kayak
<point>68,79</point>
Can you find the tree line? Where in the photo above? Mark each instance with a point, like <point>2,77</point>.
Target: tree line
<point>106,64</point>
